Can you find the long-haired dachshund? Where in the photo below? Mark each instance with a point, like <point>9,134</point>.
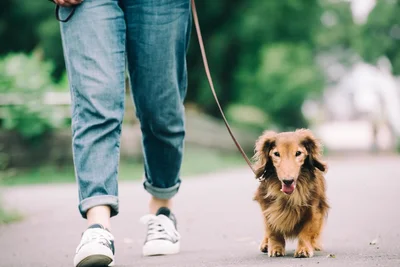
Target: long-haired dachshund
<point>292,193</point>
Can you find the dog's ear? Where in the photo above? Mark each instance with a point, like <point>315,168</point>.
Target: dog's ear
<point>314,149</point>
<point>263,145</point>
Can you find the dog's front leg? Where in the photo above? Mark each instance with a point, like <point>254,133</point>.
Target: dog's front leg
<point>264,242</point>
<point>305,248</point>
<point>272,243</point>
<point>276,244</point>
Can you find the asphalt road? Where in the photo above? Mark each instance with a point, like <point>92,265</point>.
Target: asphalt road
<point>219,222</point>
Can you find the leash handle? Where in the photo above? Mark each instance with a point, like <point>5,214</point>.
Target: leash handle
<point>207,69</point>
<point>57,12</point>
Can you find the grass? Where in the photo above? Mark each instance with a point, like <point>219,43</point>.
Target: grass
<point>196,161</point>
<point>8,216</point>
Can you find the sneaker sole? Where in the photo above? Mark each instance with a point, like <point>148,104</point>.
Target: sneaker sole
<point>160,247</point>
<point>94,256</point>
<point>95,261</point>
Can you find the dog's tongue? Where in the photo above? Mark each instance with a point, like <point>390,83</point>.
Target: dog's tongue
<point>288,189</point>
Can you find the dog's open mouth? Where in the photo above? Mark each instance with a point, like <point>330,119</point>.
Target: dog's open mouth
<point>288,189</point>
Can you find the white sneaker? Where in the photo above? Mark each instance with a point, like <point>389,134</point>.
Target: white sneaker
<point>162,235</point>
<point>96,248</point>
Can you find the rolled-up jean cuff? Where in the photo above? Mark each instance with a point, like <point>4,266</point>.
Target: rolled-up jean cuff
<point>161,193</point>
<point>104,200</point>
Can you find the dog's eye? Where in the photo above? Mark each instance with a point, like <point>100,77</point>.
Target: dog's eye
<point>277,154</point>
<point>298,153</point>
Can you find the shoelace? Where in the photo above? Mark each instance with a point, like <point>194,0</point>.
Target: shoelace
<point>160,227</point>
<point>97,235</point>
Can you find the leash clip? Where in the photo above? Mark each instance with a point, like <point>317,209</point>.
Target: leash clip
<point>262,177</point>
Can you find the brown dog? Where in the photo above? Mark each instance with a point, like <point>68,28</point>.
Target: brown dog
<point>292,195</point>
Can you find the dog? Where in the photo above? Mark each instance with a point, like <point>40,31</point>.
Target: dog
<point>292,191</point>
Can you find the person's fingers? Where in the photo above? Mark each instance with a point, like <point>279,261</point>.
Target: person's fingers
<point>62,3</point>
<point>73,2</point>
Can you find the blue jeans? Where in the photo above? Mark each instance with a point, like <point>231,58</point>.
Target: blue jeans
<point>152,36</point>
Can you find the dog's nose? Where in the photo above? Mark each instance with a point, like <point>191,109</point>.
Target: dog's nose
<point>288,182</point>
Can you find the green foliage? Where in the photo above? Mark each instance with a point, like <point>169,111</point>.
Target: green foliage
<point>24,80</point>
<point>250,45</point>
<point>247,117</point>
<point>382,34</point>
<point>198,160</point>
<point>337,28</point>
<point>7,216</point>
<point>29,25</point>
<point>397,146</point>
<point>241,41</point>
<point>286,76</point>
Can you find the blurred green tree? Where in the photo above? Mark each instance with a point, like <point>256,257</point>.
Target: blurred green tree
<point>381,34</point>
<point>26,26</point>
<point>250,45</point>
<point>261,53</point>
<point>25,79</point>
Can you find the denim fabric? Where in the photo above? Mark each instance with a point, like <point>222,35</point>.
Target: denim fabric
<point>152,37</point>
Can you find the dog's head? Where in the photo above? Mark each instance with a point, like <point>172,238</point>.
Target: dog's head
<point>286,154</point>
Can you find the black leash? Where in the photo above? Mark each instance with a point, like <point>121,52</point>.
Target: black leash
<point>57,12</point>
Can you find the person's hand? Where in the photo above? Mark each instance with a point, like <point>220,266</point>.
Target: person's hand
<point>67,3</point>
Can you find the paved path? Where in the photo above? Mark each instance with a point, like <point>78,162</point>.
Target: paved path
<point>220,224</point>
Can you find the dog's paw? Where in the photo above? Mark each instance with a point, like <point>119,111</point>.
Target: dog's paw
<point>264,246</point>
<point>277,252</point>
<point>317,247</point>
<point>303,252</point>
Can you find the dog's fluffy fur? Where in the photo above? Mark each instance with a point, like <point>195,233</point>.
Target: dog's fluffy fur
<point>295,214</point>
